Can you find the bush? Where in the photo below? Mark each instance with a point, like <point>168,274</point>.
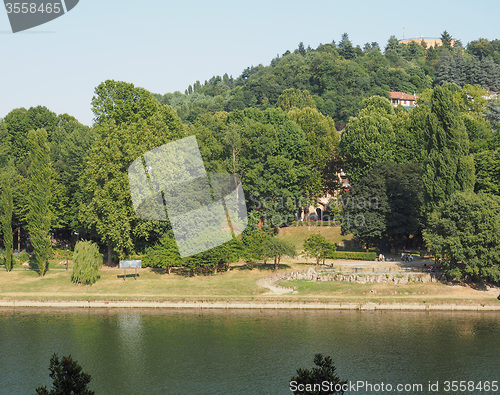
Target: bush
<point>86,263</point>
<point>305,382</point>
<point>68,378</point>
<point>24,257</point>
<point>357,256</point>
<point>62,254</point>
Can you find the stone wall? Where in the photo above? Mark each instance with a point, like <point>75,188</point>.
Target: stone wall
<point>392,278</point>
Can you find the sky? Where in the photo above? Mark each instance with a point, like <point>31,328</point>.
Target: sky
<point>164,46</point>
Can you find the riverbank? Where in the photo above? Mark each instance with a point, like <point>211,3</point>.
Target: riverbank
<point>242,288</point>
<point>248,305</point>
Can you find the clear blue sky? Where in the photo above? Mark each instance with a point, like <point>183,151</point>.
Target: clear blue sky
<point>164,46</point>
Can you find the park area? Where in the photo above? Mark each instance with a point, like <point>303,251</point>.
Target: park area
<point>297,280</point>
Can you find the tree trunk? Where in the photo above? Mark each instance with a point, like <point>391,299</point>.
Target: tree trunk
<point>276,263</point>
<point>110,254</point>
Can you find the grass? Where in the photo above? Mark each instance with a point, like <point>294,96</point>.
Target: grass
<point>150,285</point>
<point>298,234</point>
<point>386,293</point>
<point>240,284</point>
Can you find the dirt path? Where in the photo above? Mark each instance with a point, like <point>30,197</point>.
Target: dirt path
<point>271,284</point>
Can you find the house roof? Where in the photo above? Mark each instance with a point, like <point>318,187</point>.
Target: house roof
<point>402,96</point>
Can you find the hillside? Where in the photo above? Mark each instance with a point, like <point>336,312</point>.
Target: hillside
<point>340,75</point>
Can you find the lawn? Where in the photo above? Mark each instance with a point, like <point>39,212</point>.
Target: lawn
<point>150,285</point>
<point>239,284</point>
<point>298,234</point>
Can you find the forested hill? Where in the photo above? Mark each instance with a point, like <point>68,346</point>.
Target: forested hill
<point>340,75</point>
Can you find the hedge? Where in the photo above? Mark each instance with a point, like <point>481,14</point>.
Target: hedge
<point>357,256</point>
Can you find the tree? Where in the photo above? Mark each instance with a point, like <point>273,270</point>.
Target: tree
<point>39,194</point>
<point>107,208</point>
<point>385,204</point>
<point>464,234</point>
<point>310,382</point>
<point>122,102</point>
<point>487,164</point>
<point>19,122</point>
<point>266,149</point>
<point>6,209</point>
<point>295,98</point>
<point>323,141</point>
<point>253,239</point>
<point>68,378</point>
<point>448,166</point>
<point>164,254</point>
<point>365,208</point>
<point>86,263</point>
<point>317,247</point>
<point>369,138</point>
<point>275,248</point>
<point>69,152</point>
<point>345,47</point>
<point>446,40</point>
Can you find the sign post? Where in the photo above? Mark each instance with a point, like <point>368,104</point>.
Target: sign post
<point>131,265</point>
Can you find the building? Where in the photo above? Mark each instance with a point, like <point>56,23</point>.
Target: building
<point>429,42</point>
<point>403,99</point>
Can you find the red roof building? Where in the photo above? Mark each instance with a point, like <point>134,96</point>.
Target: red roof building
<point>404,99</point>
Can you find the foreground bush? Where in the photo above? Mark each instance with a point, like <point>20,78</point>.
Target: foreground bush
<point>68,378</point>
<point>86,263</point>
<point>311,382</point>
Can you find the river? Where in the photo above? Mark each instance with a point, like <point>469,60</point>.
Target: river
<point>246,352</point>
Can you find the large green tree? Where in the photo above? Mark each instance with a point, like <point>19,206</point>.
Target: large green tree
<point>385,204</point>
<point>316,246</point>
<point>122,102</point>
<point>369,138</point>
<point>322,151</point>
<point>464,234</point>
<point>107,208</point>
<point>276,248</point>
<point>448,166</point>
<point>39,195</point>
<point>266,149</point>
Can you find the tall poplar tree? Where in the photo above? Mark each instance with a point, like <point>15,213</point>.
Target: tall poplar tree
<point>39,193</point>
<point>6,209</point>
<point>448,167</point>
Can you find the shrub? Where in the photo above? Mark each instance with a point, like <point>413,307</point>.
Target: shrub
<point>24,257</point>
<point>357,256</point>
<point>62,254</point>
<point>87,262</point>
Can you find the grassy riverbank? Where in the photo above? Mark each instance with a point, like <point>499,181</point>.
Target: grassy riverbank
<point>239,284</point>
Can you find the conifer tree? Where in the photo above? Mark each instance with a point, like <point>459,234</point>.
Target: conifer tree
<point>447,166</point>
<point>40,181</point>
<point>6,209</point>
